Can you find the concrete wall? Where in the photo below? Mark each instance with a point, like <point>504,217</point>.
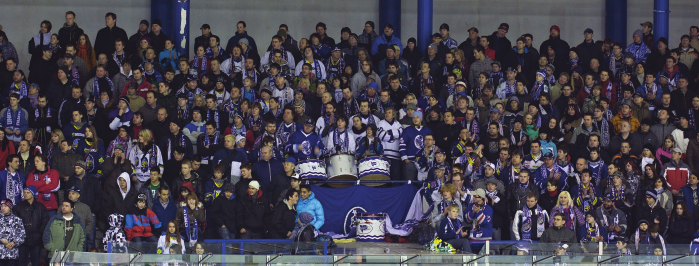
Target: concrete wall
<point>20,19</point>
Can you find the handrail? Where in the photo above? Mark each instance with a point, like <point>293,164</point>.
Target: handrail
<point>307,181</point>
<point>603,261</point>
<point>415,256</point>
<point>344,257</point>
<point>545,258</point>
<point>138,255</point>
<point>275,257</point>
<point>683,256</point>
<point>477,258</point>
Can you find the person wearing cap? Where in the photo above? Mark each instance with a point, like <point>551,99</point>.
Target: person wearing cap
<point>612,218</point>
<point>489,171</point>
<point>134,40</point>
<point>499,42</point>
<point>550,170</point>
<point>283,181</point>
<point>304,144</point>
<point>203,39</point>
<point>156,36</point>
<point>480,215</point>
<point>34,218</point>
<point>379,45</point>
<point>68,61</point>
<point>676,172</point>
<point>559,46</point>
<point>83,211</point>
<point>587,50</point>
<point>222,213</point>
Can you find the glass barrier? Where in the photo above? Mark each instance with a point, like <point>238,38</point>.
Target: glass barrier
<point>235,247</point>
<point>577,249</point>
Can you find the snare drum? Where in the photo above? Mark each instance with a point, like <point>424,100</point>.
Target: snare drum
<point>371,227</point>
<point>311,169</point>
<point>374,168</point>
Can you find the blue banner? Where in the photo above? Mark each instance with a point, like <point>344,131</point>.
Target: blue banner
<point>341,204</point>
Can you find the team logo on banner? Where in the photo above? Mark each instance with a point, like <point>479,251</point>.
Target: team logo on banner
<point>351,218</point>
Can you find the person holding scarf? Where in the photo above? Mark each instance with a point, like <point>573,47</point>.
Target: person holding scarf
<point>201,63</point>
<point>101,82</point>
<point>540,86</point>
<point>335,63</point>
<point>317,67</point>
<point>586,195</point>
<point>550,170</point>
<point>340,139</point>
<point>530,218</point>
<point>234,65</point>
<point>195,128</point>
<point>611,218</point>
<point>439,210</point>
<point>91,148</point>
<point>19,83</point>
<point>480,215</point>
<point>451,230</point>
<point>190,217</point>
<point>592,231</point>
<point>14,119</point>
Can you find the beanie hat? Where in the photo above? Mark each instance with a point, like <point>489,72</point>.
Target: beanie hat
<point>651,193</point>
<point>418,114</point>
<point>306,217</point>
<point>638,32</point>
<point>33,190</point>
<point>157,22</point>
<point>7,202</point>
<point>254,184</point>
<point>555,27</point>
<point>229,187</point>
<point>126,100</point>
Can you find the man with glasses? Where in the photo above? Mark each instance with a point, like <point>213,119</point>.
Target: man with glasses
<point>480,215</point>
<point>558,233</point>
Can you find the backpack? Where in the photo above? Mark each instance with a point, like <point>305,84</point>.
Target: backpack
<point>424,232</point>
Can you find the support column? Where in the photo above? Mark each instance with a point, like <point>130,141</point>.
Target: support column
<point>661,19</point>
<point>389,12</point>
<point>162,9</point>
<point>424,23</point>
<point>180,14</point>
<point>615,21</point>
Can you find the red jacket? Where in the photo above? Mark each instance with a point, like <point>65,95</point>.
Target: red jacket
<point>139,225</point>
<point>141,90</point>
<point>46,184</point>
<point>10,149</point>
<point>676,174</point>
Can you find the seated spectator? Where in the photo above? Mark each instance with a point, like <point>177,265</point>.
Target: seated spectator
<point>611,218</point>
<point>115,235</point>
<point>252,211</point>
<point>14,233</point>
<point>83,211</point>
<point>309,203</point>
<point>164,207</point>
<point>480,215</point>
<point>558,233</point>
<point>573,216</point>
<point>171,238</point>
<point>284,216</point>
<point>592,231</point>
<point>680,230</point>
<point>451,230</point>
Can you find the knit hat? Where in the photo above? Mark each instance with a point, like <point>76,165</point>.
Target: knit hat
<point>642,221</point>
<point>145,22</point>
<point>646,121</point>
<point>504,26</point>
<point>434,46</point>
<point>418,114</point>
<point>648,146</point>
<point>82,164</point>
<point>373,85</point>
<point>491,181</point>
<point>126,100</point>
<point>120,147</point>
<point>239,138</point>
<point>412,40</point>
<point>157,22</point>
<point>555,27</point>
<point>141,197</point>
<point>229,187</point>
<point>244,41</point>
<point>479,192</point>
<point>7,203</point>
<point>33,190</point>
<point>638,32</point>
<point>651,193</point>
<point>461,83</point>
<point>305,217</point>
<point>254,184</point>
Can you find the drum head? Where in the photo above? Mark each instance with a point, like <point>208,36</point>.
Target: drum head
<point>342,178</point>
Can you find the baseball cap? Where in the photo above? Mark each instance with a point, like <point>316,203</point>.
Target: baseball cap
<point>309,122</point>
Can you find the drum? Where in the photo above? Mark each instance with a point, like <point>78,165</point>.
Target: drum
<point>341,167</point>
<point>374,168</point>
<point>311,169</point>
<point>371,227</point>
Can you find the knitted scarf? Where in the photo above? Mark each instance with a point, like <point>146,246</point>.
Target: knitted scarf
<point>527,222</point>
<point>96,86</point>
<point>591,232</point>
<point>10,122</point>
<point>538,88</point>
<point>22,90</point>
<point>191,229</point>
<point>200,64</point>
<point>216,136</point>
<point>342,144</point>
<point>210,52</point>
<point>150,161</point>
<point>182,143</point>
<point>335,69</point>
<point>116,141</point>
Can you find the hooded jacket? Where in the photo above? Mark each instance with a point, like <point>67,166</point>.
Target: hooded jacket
<point>312,206</point>
<point>54,234</point>
<point>115,234</point>
<point>12,229</point>
<point>118,201</point>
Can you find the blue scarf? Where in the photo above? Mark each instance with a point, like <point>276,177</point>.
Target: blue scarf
<point>344,145</point>
<point>207,139</point>
<point>10,122</point>
<point>182,143</point>
<point>191,229</point>
<point>204,63</point>
<point>22,90</point>
<point>96,86</point>
<point>210,53</point>
<point>150,161</point>
<point>527,222</point>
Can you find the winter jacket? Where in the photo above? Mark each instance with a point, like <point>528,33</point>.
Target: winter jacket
<point>482,222</point>
<point>517,196</point>
<point>46,196</point>
<point>265,171</point>
<point>117,201</point>
<point>583,234</point>
<point>576,217</point>
<point>139,223</point>
<point>83,211</point>
<point>63,162</point>
<point>196,215</point>
<point>18,179</point>
<point>90,191</point>
<point>380,44</point>
<point>223,212</point>
<point>561,235</point>
<point>194,180</point>
<point>252,212</point>
<point>34,217</point>
<point>54,234</point>
<point>312,206</point>
<point>115,234</point>
<point>648,213</point>
<point>10,122</point>
<point>111,171</point>
<point>547,201</point>
<point>213,191</point>
<point>681,230</point>
<point>12,229</point>
<point>687,194</point>
<point>676,174</point>
<point>617,119</point>
<point>283,220</point>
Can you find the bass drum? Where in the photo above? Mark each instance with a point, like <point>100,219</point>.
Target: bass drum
<point>374,168</point>
<point>341,167</point>
<point>311,169</point>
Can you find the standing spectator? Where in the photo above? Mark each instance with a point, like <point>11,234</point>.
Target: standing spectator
<point>587,50</point>
<point>252,212</point>
<point>6,148</point>
<point>222,213</point>
<point>12,234</point>
<point>7,48</point>
<point>40,40</point>
<point>64,231</point>
<point>89,184</point>
<point>191,219</point>
<point>115,234</point>
<point>480,215</point>
<point>559,47</point>
<point>637,48</point>
<point>650,210</point>
<point>682,226</point>
<point>136,37</point>
<point>34,217</point>
<point>482,64</point>
<point>85,214</point>
<point>378,47</point>
<point>284,216</point>
<point>170,239</point>
<point>45,181</point>
<point>157,38</point>
<point>686,52</point>
<point>411,142</point>
<point>241,33</point>
<point>120,199</point>
<point>499,42</point>
<point>164,207</point>
<point>145,155</point>
<point>14,119</point>
<point>368,36</point>
<point>676,172</point>
<point>530,217</point>
<point>104,42</point>
<point>11,180</point>
<point>70,32</point>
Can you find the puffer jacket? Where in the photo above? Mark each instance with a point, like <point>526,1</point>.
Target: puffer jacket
<point>312,205</point>
<point>34,217</point>
<point>12,229</point>
<point>517,196</point>
<point>139,222</point>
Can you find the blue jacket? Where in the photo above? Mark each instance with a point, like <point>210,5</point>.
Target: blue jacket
<point>412,141</point>
<point>312,205</point>
<point>11,122</point>
<point>445,230</point>
<point>363,147</point>
<point>548,146</point>
<point>542,176</point>
<point>482,222</point>
<point>211,191</point>
<point>381,40</point>
<point>235,156</point>
<point>94,158</point>
<point>165,214</point>
<point>265,170</point>
<point>74,134</point>
<point>688,198</point>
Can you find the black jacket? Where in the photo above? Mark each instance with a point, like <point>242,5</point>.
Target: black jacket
<point>283,221</point>
<point>681,230</point>
<point>26,167</point>
<point>241,188</point>
<point>548,202</point>
<point>197,184</point>
<point>280,183</point>
<point>587,51</point>
<point>90,191</point>
<point>558,235</point>
<point>69,34</point>
<point>253,212</point>
<point>104,42</point>
<point>499,211</point>
<point>34,217</point>
<point>111,172</point>
<point>517,197</point>
<point>223,212</point>
<point>115,203</point>
<point>645,212</point>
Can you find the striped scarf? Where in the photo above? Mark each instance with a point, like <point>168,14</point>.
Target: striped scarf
<point>210,52</point>
<point>22,90</point>
<point>216,136</point>
<point>96,86</point>
<point>200,64</point>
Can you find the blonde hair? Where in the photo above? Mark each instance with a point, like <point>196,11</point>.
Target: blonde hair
<point>452,206</point>
<point>558,201</point>
<point>147,135</point>
<point>59,133</point>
